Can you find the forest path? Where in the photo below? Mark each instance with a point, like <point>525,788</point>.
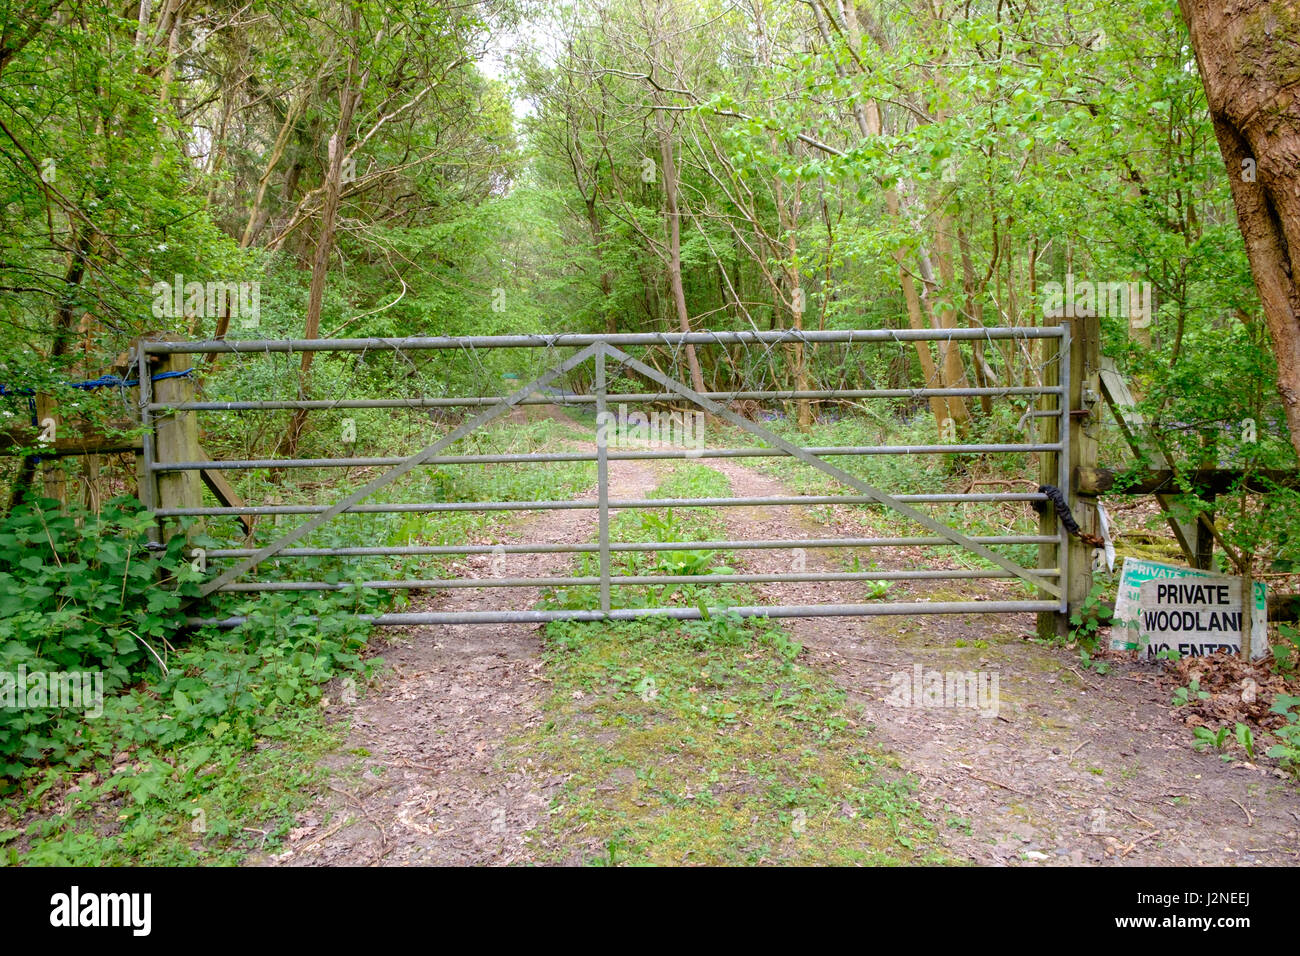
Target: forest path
<point>430,731</point>
<point>1076,767</point>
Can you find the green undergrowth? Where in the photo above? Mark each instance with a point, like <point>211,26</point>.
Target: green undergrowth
<point>663,525</point>
<point>204,743</point>
<point>192,746</point>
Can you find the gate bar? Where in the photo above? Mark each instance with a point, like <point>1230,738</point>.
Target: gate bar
<point>326,404</point>
<point>627,455</point>
<point>558,548</point>
<point>1063,463</point>
<point>571,339</point>
<point>426,507</point>
<point>679,613</point>
<point>633,580</point>
<point>147,485</point>
<point>602,477</point>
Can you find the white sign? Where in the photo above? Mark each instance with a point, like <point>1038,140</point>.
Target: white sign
<point>1163,607</point>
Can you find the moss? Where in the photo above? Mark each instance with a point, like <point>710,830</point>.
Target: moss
<point>740,755</point>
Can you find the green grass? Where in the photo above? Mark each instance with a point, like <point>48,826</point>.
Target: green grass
<point>708,741</point>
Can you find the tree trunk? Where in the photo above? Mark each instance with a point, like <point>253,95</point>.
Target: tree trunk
<point>1246,55</point>
<point>975,312</point>
<point>348,99</point>
<point>256,219</point>
<point>606,276</point>
<point>952,369</point>
<point>673,214</point>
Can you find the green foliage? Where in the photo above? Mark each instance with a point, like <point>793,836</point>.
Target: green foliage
<point>1219,739</point>
<point>172,716</point>
<point>1185,695</point>
<point>1286,650</point>
<point>80,593</point>
<point>1088,620</point>
<point>1287,749</point>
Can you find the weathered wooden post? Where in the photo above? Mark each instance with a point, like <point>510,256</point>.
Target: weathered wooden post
<point>175,433</point>
<point>1085,395</point>
<point>54,480</point>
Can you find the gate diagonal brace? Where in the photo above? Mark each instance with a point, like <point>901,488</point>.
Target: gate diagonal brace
<point>840,475</point>
<point>389,477</point>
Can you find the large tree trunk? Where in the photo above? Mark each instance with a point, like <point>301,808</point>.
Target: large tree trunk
<point>1246,55</point>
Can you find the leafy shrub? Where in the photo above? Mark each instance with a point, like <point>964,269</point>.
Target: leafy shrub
<point>1287,750</point>
<point>79,592</point>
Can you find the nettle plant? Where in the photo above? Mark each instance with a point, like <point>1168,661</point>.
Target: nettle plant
<point>80,593</point>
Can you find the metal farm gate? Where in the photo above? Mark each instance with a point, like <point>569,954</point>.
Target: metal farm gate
<point>171,464</point>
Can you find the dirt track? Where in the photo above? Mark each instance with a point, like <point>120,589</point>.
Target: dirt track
<point>1076,768</point>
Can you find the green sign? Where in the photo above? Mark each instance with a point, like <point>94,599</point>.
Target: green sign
<point>1164,607</point>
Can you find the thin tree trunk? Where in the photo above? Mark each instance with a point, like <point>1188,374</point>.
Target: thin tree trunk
<point>348,99</point>
<point>975,312</point>
<point>952,367</point>
<point>673,214</point>
<point>255,218</point>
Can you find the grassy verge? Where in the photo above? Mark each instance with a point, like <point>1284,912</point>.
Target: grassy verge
<point>709,742</point>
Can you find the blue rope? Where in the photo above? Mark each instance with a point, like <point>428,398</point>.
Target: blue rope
<point>104,381</point>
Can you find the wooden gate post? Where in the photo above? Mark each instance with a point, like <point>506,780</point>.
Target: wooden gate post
<point>176,437</point>
<point>1085,396</point>
<point>1085,364</point>
<point>54,479</point>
